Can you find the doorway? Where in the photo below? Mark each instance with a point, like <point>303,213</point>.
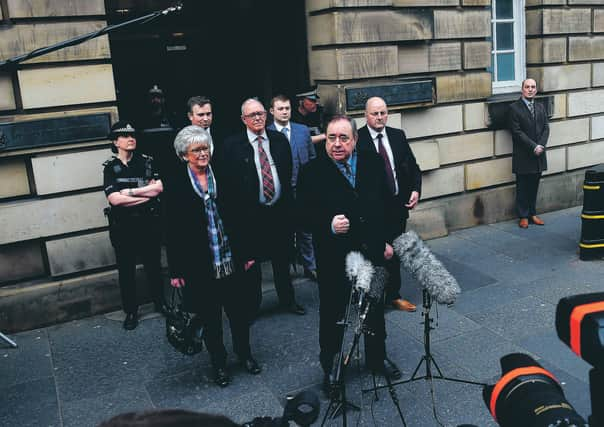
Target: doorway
<point>228,50</point>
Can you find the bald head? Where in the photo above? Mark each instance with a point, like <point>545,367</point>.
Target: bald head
<point>529,89</point>
<point>376,113</point>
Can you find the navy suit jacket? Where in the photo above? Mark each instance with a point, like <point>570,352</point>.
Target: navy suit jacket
<point>301,145</point>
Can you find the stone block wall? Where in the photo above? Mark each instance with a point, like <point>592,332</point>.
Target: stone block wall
<point>466,164</point>
<point>51,199</point>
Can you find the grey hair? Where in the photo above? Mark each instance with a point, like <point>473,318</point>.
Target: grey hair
<point>191,135</point>
<point>247,101</point>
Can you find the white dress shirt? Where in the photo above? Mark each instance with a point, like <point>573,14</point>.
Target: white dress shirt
<point>386,143</point>
<point>253,139</point>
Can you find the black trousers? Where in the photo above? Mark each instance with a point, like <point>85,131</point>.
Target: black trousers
<point>131,241</point>
<point>527,186</point>
<point>393,266</point>
<point>208,299</point>
<point>334,294</point>
<point>277,247</point>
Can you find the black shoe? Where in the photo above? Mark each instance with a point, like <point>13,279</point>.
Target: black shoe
<point>310,274</point>
<point>250,365</point>
<point>330,387</point>
<point>131,321</point>
<point>221,377</point>
<point>295,309</point>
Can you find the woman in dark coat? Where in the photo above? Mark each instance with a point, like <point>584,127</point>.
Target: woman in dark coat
<point>200,252</point>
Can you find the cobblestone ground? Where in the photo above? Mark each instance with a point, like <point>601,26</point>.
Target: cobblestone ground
<point>83,372</point>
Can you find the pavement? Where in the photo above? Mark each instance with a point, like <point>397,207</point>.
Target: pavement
<point>83,372</point>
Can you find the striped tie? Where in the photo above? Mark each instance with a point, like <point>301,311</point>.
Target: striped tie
<point>268,185</point>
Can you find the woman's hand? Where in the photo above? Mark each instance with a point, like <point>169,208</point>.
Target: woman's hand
<point>177,282</point>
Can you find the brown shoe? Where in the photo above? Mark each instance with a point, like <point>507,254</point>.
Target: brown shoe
<point>523,223</point>
<point>536,220</point>
<point>403,305</point>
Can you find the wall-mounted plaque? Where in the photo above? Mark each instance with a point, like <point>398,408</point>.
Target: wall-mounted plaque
<point>55,131</point>
<point>400,93</point>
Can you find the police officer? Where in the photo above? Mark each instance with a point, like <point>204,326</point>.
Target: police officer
<point>132,187</point>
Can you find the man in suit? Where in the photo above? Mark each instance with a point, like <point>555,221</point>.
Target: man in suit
<point>302,151</point>
<point>256,170</point>
<point>404,182</point>
<point>200,114</point>
<point>342,198</point>
<point>530,131</point>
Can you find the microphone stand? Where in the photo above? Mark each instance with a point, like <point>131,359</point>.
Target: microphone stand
<point>338,403</point>
<point>428,359</point>
<point>8,340</point>
<point>83,38</point>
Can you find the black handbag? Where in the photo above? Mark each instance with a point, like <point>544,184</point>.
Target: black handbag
<point>183,329</point>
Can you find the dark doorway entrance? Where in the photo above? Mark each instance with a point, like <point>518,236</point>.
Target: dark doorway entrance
<point>227,50</point>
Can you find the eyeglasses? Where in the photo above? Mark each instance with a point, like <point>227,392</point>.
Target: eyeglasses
<point>334,138</point>
<point>198,151</point>
<point>257,114</point>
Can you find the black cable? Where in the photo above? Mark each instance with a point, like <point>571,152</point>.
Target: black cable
<point>86,37</point>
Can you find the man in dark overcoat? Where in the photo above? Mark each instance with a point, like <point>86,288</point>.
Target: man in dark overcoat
<point>342,196</point>
<point>255,168</point>
<point>530,131</point>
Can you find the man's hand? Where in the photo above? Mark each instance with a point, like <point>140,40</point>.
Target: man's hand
<point>413,200</point>
<point>388,252</point>
<point>340,224</point>
<point>539,149</point>
<point>248,264</point>
<point>177,282</point>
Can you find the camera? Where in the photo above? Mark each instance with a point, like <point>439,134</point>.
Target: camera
<point>527,395</point>
<point>303,409</point>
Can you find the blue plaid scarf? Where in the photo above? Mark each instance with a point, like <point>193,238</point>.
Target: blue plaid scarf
<point>219,242</point>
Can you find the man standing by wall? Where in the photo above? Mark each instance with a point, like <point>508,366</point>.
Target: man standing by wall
<point>404,182</point>
<point>530,131</point>
<point>302,151</point>
<point>256,169</point>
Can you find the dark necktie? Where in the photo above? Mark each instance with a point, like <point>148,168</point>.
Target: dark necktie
<point>531,106</point>
<point>382,151</point>
<point>268,185</point>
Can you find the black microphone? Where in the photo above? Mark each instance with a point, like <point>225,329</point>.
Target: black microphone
<point>418,260</point>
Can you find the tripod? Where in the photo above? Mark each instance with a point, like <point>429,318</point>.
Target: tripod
<point>428,359</point>
<point>8,340</point>
<point>338,403</point>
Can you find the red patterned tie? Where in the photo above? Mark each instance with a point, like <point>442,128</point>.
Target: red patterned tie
<point>384,154</point>
<point>268,185</point>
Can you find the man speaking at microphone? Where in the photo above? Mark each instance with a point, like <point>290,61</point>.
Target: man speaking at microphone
<point>342,198</point>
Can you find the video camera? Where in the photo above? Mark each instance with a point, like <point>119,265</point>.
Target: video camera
<point>527,395</point>
<point>303,409</point>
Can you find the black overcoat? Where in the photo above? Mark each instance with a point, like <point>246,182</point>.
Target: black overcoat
<point>527,133</point>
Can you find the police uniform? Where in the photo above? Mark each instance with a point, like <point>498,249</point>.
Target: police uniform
<point>134,230</point>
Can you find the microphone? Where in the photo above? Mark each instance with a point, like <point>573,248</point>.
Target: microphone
<point>432,275</point>
<point>368,281</point>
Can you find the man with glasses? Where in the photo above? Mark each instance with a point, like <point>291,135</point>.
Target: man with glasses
<point>343,198</point>
<point>256,171</point>
<point>404,183</point>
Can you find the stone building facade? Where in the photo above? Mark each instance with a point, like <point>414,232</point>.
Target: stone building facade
<point>56,262</point>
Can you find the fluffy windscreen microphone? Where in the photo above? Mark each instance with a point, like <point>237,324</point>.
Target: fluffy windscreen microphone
<point>365,277</point>
<point>418,260</point>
